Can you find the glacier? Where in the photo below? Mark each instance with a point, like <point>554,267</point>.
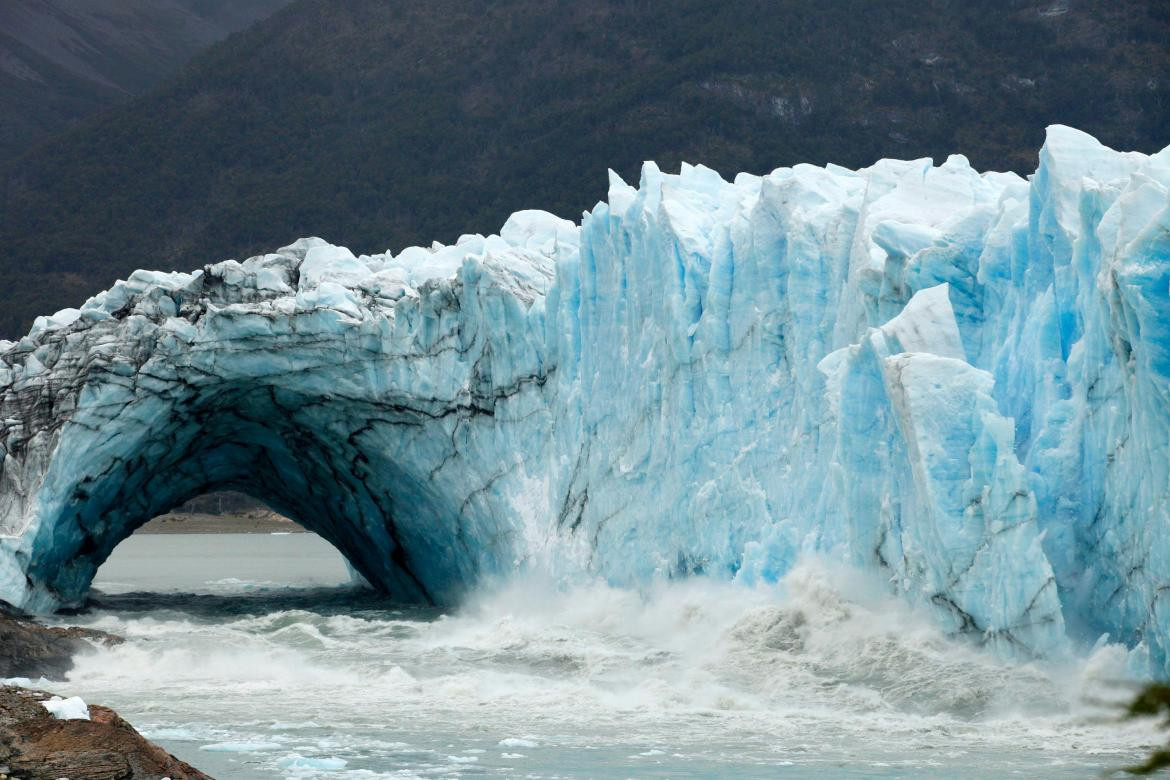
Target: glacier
<point>959,380</point>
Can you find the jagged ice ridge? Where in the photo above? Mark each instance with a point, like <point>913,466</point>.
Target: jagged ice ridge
<point>958,380</point>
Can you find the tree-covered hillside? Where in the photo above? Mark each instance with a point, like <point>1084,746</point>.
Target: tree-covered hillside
<point>381,123</point>
<point>62,60</point>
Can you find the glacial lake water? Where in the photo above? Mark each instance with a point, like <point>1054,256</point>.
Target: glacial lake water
<point>251,657</point>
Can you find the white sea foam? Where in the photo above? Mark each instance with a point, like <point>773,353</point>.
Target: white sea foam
<point>822,669</point>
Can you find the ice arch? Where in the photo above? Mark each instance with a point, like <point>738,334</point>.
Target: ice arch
<point>286,447</point>
<point>958,380</point>
<point>356,412</point>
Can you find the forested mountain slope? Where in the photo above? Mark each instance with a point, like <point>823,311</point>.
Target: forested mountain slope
<point>379,124</point>
<point>62,60</point>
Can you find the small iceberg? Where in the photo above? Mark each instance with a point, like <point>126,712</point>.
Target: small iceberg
<point>301,762</point>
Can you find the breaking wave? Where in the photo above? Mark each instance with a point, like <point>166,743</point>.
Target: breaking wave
<point>693,676</point>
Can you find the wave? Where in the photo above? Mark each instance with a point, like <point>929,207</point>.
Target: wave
<point>821,674</point>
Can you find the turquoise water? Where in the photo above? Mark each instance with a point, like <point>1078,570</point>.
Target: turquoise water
<point>252,657</point>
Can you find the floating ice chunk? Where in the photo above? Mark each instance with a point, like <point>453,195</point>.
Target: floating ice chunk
<point>240,747</point>
<point>177,733</point>
<point>463,759</point>
<point>302,762</point>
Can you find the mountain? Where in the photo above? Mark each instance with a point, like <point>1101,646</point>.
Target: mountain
<point>62,60</point>
<point>376,121</point>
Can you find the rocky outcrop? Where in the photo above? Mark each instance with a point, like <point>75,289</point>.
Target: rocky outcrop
<point>28,649</point>
<point>36,745</point>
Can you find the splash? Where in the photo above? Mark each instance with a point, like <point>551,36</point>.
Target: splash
<point>823,669</point>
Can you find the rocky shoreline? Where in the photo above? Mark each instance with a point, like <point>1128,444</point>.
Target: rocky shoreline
<point>28,649</point>
<point>72,740</point>
<point>260,521</point>
<point>92,744</point>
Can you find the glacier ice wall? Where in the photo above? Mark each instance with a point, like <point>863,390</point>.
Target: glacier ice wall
<point>957,379</point>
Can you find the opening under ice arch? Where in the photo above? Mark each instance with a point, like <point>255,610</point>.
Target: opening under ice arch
<point>281,447</point>
<point>956,378</point>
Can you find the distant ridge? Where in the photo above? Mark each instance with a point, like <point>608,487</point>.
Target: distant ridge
<point>62,60</point>
<point>369,119</point>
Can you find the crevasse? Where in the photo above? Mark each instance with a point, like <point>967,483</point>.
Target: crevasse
<point>959,380</point>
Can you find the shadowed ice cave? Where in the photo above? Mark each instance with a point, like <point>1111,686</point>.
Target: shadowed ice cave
<point>264,443</point>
